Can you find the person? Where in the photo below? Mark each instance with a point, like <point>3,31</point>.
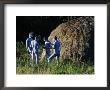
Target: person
<point>35,47</point>
<point>29,45</point>
<point>47,48</point>
<point>56,47</point>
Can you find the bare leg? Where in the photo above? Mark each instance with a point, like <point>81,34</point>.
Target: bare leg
<point>47,55</point>
<point>50,57</point>
<point>56,58</point>
<point>32,58</point>
<point>36,58</point>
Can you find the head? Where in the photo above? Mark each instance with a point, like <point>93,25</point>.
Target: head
<point>36,38</point>
<point>55,37</point>
<point>45,39</point>
<point>31,34</point>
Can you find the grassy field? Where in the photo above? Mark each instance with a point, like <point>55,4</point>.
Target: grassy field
<point>23,66</point>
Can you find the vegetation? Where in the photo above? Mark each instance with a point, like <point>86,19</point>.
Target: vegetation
<point>23,64</point>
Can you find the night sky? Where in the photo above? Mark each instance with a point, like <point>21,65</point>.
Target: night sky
<point>39,25</point>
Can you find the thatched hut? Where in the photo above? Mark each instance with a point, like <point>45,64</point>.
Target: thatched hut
<point>77,39</point>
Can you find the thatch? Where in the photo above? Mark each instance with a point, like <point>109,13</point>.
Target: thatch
<point>76,37</point>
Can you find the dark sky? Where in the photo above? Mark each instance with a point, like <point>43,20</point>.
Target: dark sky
<point>37,24</point>
<point>40,25</point>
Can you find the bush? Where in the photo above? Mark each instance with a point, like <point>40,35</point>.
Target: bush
<point>23,64</point>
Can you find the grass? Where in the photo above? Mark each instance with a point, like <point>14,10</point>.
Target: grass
<point>23,66</point>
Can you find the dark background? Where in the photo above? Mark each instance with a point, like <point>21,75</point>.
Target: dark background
<point>40,25</point>
<point>37,24</point>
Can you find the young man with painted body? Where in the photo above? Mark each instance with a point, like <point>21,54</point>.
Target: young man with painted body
<point>35,47</point>
<point>29,45</point>
<point>56,47</point>
<point>47,48</point>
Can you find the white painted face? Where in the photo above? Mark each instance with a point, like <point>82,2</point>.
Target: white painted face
<point>30,35</point>
<point>35,38</point>
<point>44,39</point>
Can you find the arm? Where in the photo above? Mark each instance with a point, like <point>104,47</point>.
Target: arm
<point>38,45</point>
<point>26,44</point>
<point>54,44</point>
